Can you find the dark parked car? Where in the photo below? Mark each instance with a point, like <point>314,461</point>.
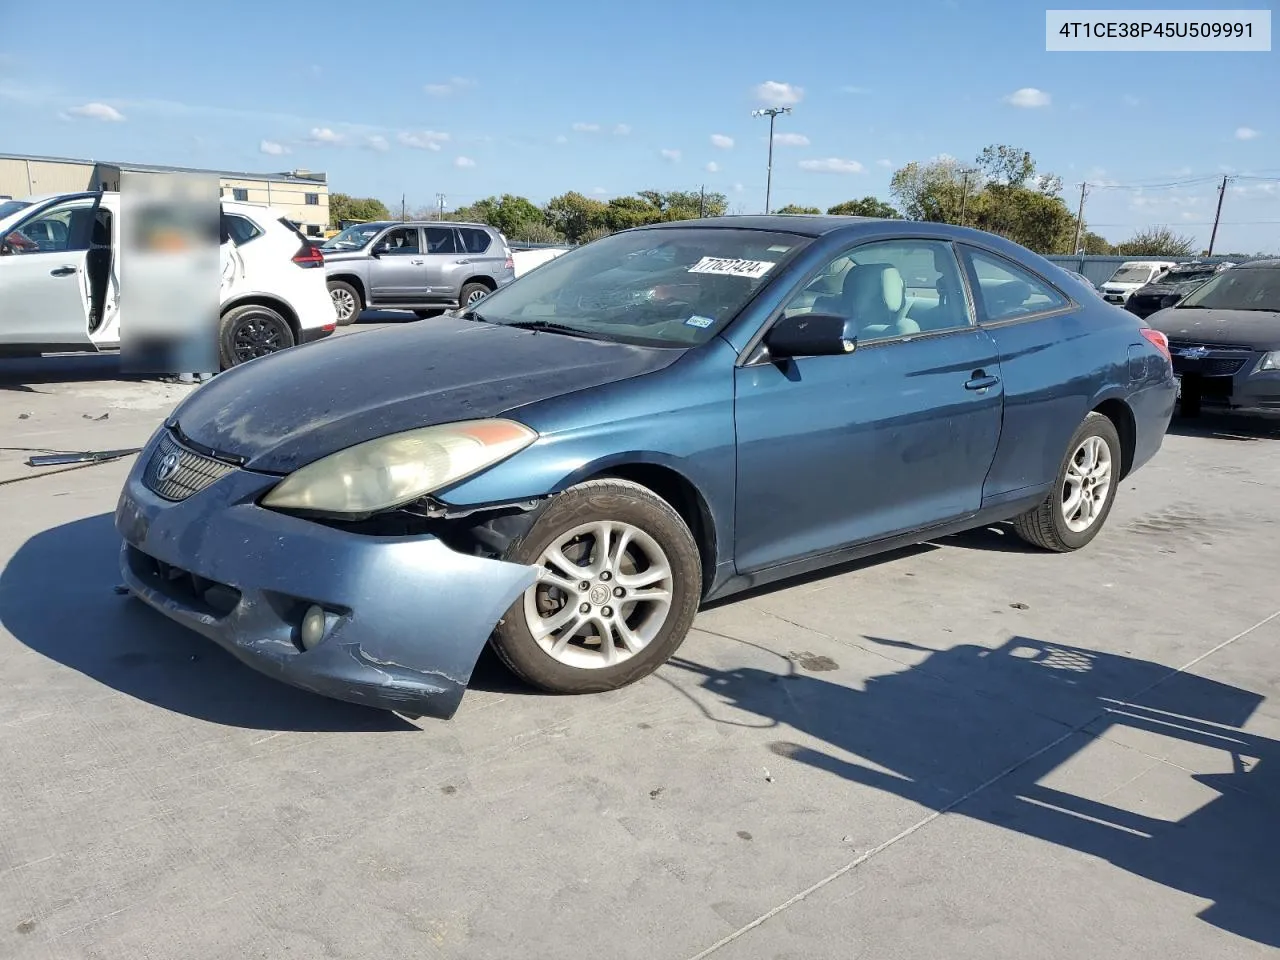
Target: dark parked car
<point>1171,287</point>
<point>663,417</point>
<point>1225,340</point>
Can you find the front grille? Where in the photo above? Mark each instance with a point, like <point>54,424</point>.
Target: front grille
<point>175,473</point>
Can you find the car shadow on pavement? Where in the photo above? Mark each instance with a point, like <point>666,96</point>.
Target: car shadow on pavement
<point>950,731</point>
<point>1224,426</point>
<point>58,597</point>
<point>19,374</point>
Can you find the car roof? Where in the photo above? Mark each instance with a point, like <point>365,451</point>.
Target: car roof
<point>424,223</point>
<point>1263,263</point>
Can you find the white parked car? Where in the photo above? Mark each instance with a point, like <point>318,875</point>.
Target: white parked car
<point>1130,276</point>
<point>60,287</point>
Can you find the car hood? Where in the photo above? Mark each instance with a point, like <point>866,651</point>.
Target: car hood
<point>1168,289</point>
<point>1259,329</point>
<point>288,409</point>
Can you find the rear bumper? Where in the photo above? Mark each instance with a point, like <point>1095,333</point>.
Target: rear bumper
<point>406,618</point>
<point>312,334</point>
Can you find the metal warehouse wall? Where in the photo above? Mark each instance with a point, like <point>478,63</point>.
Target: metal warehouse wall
<point>23,178</point>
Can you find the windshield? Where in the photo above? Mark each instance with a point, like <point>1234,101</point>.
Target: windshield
<point>666,287</point>
<point>1256,288</point>
<point>1131,275</point>
<point>352,238</point>
<point>1187,276</point>
<point>9,207</point>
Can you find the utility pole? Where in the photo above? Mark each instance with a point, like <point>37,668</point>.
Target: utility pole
<point>403,218</point>
<point>1222,192</point>
<point>772,113</point>
<point>702,201</point>
<point>964,195</point>
<point>1075,244</point>
<point>440,206</point>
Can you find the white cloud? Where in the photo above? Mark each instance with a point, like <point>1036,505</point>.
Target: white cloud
<point>586,128</point>
<point>378,143</point>
<point>672,155</point>
<point>721,141</point>
<point>1029,98</point>
<point>775,94</point>
<point>791,139</point>
<point>424,140</point>
<point>599,191</point>
<point>561,138</point>
<point>272,149</point>
<point>739,188</point>
<point>621,130</point>
<point>854,90</point>
<point>325,135</point>
<point>713,167</point>
<point>454,85</point>
<point>832,165</point>
<point>97,111</point>
<point>942,158</point>
<point>464,163</point>
<point>887,164</point>
<point>1131,101</point>
<point>1246,133</point>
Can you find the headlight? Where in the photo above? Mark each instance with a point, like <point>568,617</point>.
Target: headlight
<point>1270,361</point>
<point>398,469</point>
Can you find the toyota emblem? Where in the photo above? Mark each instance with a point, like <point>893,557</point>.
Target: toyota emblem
<point>168,467</point>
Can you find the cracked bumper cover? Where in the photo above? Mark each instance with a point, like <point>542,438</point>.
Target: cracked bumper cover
<point>410,616</point>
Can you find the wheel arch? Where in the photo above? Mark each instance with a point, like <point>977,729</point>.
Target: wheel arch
<point>482,280</point>
<point>351,278</point>
<point>673,486</point>
<point>1118,411</point>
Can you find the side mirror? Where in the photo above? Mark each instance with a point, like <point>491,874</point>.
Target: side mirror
<point>811,335</point>
<point>380,248</point>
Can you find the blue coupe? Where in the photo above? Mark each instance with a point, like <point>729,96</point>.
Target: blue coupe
<point>663,417</point>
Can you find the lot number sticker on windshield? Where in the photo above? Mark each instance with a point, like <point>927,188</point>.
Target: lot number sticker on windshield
<point>731,267</point>
<point>700,322</point>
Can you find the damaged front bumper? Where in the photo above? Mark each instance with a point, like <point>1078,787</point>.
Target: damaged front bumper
<point>405,618</point>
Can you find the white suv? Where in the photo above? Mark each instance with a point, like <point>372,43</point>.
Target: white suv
<point>60,290</point>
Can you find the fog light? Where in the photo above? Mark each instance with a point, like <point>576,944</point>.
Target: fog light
<point>312,630</point>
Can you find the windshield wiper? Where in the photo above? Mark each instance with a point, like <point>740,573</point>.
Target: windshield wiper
<point>545,326</point>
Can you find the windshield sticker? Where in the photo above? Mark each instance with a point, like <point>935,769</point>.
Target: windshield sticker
<point>729,266</point>
<point>700,322</point>
<point>779,249</point>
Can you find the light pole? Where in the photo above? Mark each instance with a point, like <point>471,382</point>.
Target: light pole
<point>772,113</point>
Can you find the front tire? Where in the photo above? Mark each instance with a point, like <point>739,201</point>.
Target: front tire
<point>621,582</point>
<point>347,302</point>
<point>1078,505</point>
<point>252,331</point>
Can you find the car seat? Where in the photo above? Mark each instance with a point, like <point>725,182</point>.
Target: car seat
<point>874,295</point>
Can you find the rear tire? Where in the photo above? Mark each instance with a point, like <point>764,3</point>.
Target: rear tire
<point>472,293</point>
<point>1078,505</point>
<point>347,302</point>
<point>658,567</point>
<point>252,331</point>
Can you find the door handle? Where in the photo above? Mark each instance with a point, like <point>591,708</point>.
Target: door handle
<point>62,272</point>
<point>981,381</point>
<point>462,261</point>
<point>416,263</point>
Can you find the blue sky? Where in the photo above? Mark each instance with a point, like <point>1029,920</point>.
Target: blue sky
<point>471,100</point>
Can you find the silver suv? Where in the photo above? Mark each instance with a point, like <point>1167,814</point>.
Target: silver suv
<point>414,266</point>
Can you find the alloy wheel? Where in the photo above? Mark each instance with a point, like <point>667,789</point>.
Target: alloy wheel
<point>1087,484</point>
<point>603,593</point>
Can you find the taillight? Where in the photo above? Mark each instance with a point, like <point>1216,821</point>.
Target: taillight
<point>1158,340</point>
<point>511,261</point>
<point>309,256</point>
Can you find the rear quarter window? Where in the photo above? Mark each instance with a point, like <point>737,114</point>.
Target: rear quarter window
<point>475,241</point>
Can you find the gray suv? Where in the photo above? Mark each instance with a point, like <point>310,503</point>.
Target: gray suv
<point>414,266</point>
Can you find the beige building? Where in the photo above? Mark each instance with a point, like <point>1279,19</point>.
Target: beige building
<point>301,194</point>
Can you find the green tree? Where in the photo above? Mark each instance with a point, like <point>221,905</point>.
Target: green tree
<point>866,207</point>
<point>1003,164</point>
<point>1156,242</point>
<point>932,191</point>
<point>572,214</point>
<point>795,209</point>
<point>1094,243</point>
<point>531,232</point>
<point>622,213</point>
<point>344,207</point>
<point>509,213</point>
<point>684,204</point>
<point>595,233</point>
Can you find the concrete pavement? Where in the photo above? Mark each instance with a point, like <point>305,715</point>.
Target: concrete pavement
<point>964,750</point>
